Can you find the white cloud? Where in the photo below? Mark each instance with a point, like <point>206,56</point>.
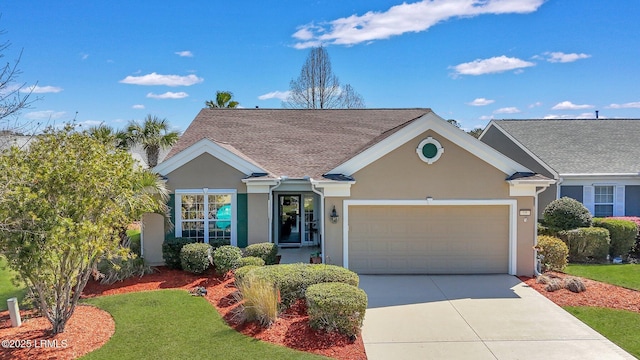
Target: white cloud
<point>579,116</point>
<point>486,117</point>
<point>629,105</point>
<point>89,123</point>
<point>507,110</point>
<point>535,104</point>
<point>399,19</point>
<point>45,115</point>
<point>168,95</point>
<point>158,79</point>
<point>41,89</point>
<point>561,57</point>
<point>84,56</point>
<point>568,105</point>
<point>185,53</point>
<point>492,65</point>
<point>138,106</point>
<point>282,95</point>
<point>481,102</point>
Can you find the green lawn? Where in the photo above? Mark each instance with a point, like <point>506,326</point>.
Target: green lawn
<point>171,324</point>
<point>7,289</point>
<point>626,275</point>
<point>620,326</point>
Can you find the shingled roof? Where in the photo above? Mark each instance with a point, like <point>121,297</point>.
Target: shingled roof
<point>296,143</point>
<point>603,146</point>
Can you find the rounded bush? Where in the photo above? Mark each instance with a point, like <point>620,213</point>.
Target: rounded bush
<point>266,251</point>
<point>226,258</point>
<point>566,214</point>
<point>251,260</point>
<point>171,251</point>
<point>586,244</point>
<point>293,279</point>
<point>194,258</point>
<point>552,253</point>
<point>336,307</point>
<point>622,234</point>
<point>241,273</point>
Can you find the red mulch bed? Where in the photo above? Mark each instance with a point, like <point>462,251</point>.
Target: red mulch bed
<point>597,294</point>
<point>291,329</point>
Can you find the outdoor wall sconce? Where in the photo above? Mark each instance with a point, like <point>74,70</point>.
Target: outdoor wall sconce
<point>334,215</point>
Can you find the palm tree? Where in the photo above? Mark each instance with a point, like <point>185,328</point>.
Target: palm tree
<point>106,135</point>
<point>153,134</point>
<point>223,100</point>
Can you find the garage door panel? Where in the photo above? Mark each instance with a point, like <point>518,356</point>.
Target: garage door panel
<point>428,239</point>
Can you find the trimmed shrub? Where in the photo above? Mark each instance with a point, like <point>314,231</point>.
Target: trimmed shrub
<point>260,300</point>
<point>171,251</point>
<point>590,243</point>
<point>293,279</point>
<point>250,260</point>
<point>120,268</point>
<point>566,214</point>
<point>242,272</point>
<point>194,258</point>
<point>543,230</point>
<point>336,307</point>
<point>226,258</point>
<point>216,243</point>
<point>621,232</point>
<point>266,251</point>
<point>552,253</point>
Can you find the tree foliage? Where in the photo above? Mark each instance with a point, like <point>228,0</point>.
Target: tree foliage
<point>566,214</point>
<point>223,100</point>
<point>317,87</point>
<point>63,201</point>
<point>153,134</point>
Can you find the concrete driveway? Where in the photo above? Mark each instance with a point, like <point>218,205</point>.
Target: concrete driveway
<point>472,317</point>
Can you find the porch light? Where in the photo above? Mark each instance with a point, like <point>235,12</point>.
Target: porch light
<point>334,215</point>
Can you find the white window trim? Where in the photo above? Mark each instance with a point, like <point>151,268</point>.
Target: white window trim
<point>613,198</point>
<point>439,150</point>
<point>206,191</point>
<point>513,220</point>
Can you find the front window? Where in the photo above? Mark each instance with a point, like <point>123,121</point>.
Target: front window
<point>206,217</point>
<point>603,201</point>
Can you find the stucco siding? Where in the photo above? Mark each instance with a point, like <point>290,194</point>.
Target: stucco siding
<point>258,218</point>
<point>152,239</point>
<point>401,174</point>
<point>205,171</point>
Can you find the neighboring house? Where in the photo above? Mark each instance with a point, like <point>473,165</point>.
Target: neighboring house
<point>381,191</point>
<point>596,162</point>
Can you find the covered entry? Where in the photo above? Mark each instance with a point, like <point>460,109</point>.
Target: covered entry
<point>430,238</point>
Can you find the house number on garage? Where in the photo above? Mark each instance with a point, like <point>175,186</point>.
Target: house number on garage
<point>429,150</point>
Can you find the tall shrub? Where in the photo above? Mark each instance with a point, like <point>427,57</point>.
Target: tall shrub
<point>566,214</point>
<point>622,233</point>
<point>171,251</point>
<point>585,244</point>
<point>552,252</point>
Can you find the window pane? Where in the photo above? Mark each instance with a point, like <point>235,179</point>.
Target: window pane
<point>603,210</point>
<point>603,194</point>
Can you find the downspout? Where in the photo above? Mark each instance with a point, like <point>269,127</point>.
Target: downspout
<point>313,188</point>
<point>535,234</point>
<point>270,209</point>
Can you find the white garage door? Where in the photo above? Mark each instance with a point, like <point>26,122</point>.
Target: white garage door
<point>428,239</point>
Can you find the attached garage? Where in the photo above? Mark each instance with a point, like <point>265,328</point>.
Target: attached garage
<point>430,237</point>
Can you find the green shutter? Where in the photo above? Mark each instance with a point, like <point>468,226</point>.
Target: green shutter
<point>172,215</point>
<point>242,223</point>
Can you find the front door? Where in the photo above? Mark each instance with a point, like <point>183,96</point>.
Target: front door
<point>289,211</point>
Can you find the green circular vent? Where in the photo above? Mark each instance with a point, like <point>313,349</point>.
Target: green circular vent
<point>429,150</point>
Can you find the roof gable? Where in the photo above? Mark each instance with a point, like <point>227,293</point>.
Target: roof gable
<point>427,122</point>
<point>579,147</point>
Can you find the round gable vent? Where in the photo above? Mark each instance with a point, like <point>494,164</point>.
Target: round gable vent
<point>429,150</point>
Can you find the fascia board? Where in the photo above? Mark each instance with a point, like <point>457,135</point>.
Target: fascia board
<point>207,146</point>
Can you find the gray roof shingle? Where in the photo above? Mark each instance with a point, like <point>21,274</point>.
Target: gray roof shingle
<point>604,146</point>
<point>296,143</point>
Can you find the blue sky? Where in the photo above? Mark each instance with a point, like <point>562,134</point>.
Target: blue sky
<point>469,60</point>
